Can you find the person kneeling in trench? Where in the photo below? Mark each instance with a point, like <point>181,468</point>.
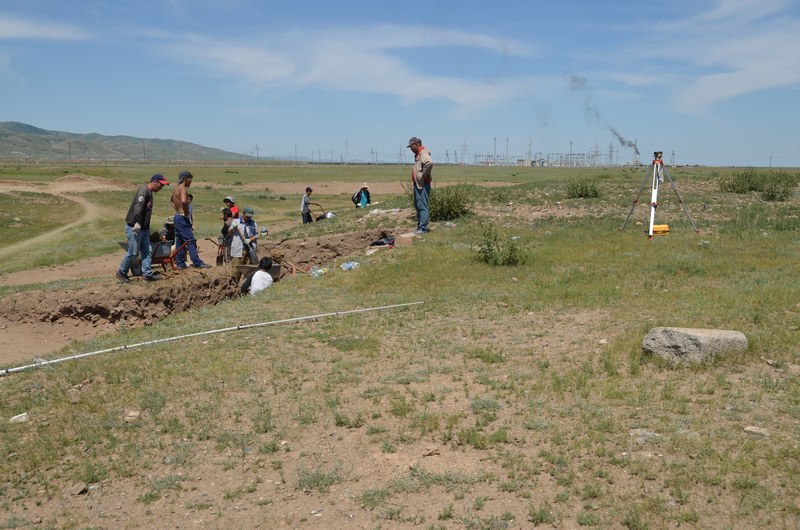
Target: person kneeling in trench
<point>260,279</point>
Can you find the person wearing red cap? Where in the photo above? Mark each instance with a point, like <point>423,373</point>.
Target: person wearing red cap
<point>137,230</point>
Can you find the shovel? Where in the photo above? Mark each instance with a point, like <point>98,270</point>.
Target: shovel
<point>220,252</point>
<point>251,251</point>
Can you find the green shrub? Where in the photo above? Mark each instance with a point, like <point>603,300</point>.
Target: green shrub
<point>778,186</point>
<point>773,185</point>
<point>740,182</point>
<point>582,189</point>
<point>449,203</point>
<point>495,251</point>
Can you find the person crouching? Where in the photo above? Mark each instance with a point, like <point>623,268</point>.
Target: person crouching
<point>260,279</point>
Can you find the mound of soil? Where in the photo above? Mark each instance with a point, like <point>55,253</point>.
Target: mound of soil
<point>38,322</point>
<point>308,252</point>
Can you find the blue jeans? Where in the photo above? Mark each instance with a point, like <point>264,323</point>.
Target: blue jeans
<point>421,205</point>
<point>137,244</point>
<point>184,234</point>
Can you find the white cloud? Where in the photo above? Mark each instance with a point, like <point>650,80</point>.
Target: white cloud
<point>738,47</point>
<point>359,60</point>
<point>17,28</point>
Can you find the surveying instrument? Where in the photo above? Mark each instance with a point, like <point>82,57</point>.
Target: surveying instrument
<point>656,178</point>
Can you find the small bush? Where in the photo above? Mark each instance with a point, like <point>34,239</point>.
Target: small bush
<point>773,185</point>
<point>449,203</point>
<point>541,515</point>
<point>495,251</point>
<point>778,186</point>
<point>740,182</point>
<point>582,189</point>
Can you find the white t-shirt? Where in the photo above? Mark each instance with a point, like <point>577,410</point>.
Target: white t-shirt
<point>261,280</point>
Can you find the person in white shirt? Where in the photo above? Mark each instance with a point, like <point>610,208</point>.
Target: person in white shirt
<point>260,279</point>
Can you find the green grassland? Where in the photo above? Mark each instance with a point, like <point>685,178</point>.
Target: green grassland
<point>532,374</point>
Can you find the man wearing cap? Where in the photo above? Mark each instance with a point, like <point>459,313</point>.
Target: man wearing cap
<point>168,231</point>
<point>231,205</point>
<point>137,230</point>
<point>245,236</point>
<point>361,198</point>
<point>183,224</point>
<point>305,211</point>
<point>421,179</point>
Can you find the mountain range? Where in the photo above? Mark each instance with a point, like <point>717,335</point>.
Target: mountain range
<point>19,141</point>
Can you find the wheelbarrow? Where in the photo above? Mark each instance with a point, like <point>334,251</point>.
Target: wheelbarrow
<point>325,215</point>
<point>274,271</point>
<point>161,253</point>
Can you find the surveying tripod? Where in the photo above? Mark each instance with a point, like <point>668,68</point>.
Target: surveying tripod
<point>657,177</point>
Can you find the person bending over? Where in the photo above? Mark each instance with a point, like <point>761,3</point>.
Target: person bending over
<point>361,198</point>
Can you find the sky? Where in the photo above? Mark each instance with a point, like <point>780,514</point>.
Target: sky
<point>712,82</point>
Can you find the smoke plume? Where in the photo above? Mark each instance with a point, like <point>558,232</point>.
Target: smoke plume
<point>578,84</point>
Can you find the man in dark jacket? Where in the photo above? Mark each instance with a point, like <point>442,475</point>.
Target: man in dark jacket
<point>137,230</point>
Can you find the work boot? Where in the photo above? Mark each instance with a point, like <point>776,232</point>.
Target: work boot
<point>152,278</point>
<point>122,277</point>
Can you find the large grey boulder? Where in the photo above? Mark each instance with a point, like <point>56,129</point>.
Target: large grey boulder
<point>689,346</point>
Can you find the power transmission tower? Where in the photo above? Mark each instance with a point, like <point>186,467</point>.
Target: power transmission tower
<point>529,154</point>
<point>672,158</point>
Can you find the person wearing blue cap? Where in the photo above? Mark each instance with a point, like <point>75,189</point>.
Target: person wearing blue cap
<point>183,224</point>
<point>137,230</point>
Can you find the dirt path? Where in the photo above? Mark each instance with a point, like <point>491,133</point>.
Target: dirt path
<point>90,213</point>
<point>64,188</point>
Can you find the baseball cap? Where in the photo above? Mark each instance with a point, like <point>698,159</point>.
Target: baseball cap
<point>249,212</point>
<point>229,198</point>
<point>365,185</point>
<point>158,177</point>
<point>414,140</point>
<point>170,220</point>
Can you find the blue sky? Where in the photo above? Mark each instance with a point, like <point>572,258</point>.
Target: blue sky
<point>715,81</point>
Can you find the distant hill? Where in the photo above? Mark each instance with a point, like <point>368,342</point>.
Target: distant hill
<point>20,141</point>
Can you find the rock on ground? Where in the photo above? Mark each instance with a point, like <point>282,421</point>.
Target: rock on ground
<point>690,346</point>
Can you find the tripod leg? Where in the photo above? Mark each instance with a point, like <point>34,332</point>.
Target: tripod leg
<point>680,200</point>
<point>635,201</point>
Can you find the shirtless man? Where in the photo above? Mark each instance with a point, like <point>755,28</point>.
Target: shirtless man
<point>183,224</point>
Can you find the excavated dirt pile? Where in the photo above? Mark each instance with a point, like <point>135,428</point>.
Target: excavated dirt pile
<point>136,303</point>
<point>308,252</point>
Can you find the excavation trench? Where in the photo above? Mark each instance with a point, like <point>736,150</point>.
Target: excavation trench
<point>41,321</point>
